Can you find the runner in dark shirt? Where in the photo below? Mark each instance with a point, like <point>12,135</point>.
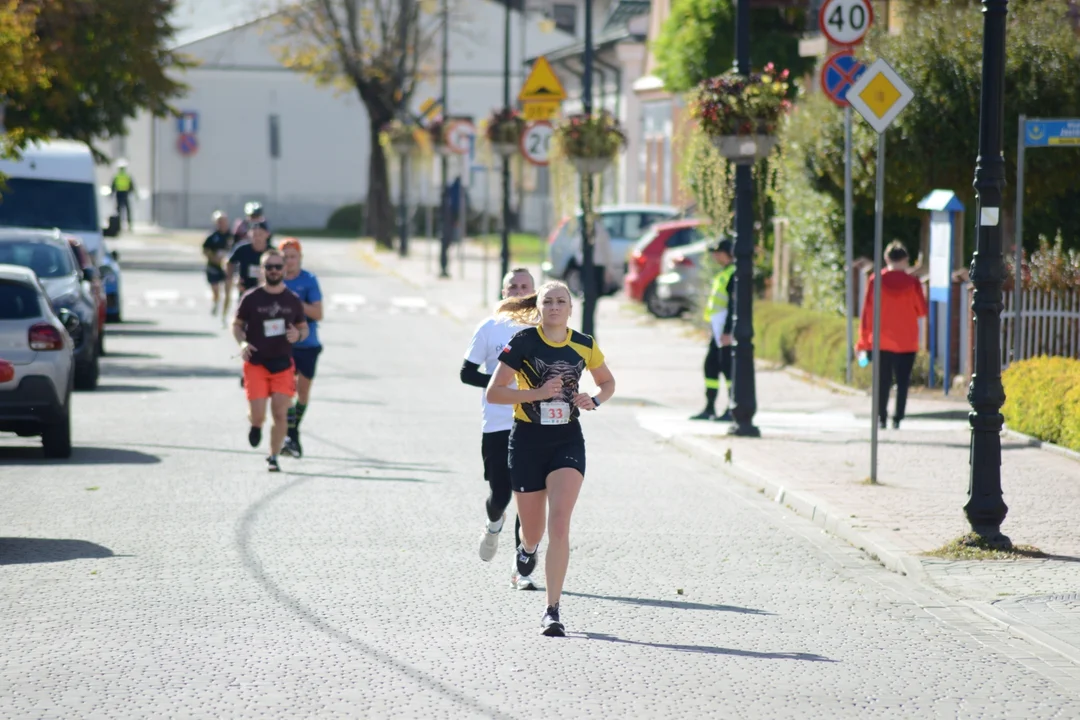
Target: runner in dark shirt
<point>244,261</point>
<point>268,321</point>
<point>215,248</point>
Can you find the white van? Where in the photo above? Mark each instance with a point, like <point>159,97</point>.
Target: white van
<point>54,186</point>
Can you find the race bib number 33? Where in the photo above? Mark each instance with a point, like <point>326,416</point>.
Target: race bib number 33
<point>274,328</point>
<point>554,413</point>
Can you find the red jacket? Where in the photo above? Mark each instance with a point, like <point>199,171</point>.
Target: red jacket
<point>902,304</point>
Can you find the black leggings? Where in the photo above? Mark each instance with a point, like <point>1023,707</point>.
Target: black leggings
<point>495,450</point>
<point>896,365</point>
<point>717,363</point>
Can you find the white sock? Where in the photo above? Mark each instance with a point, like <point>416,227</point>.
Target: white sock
<point>496,525</point>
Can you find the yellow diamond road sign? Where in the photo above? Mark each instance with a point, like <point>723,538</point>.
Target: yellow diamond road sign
<point>879,95</point>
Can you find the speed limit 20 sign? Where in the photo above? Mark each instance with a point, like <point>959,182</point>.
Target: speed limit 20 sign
<point>536,142</point>
<point>845,22</point>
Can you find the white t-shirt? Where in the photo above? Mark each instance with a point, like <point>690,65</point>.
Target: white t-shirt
<point>488,341</point>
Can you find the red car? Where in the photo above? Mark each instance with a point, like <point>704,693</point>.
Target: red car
<point>640,282</point>
<point>97,289</point>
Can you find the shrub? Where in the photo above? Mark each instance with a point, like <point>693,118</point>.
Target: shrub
<point>1042,399</point>
<point>347,218</point>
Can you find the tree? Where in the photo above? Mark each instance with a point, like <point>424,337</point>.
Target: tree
<point>21,66</point>
<point>101,61</point>
<point>697,41</point>
<point>373,47</point>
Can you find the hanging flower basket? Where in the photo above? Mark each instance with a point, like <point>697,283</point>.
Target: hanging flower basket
<point>741,114</point>
<point>400,136</point>
<point>504,130</point>
<point>590,142</point>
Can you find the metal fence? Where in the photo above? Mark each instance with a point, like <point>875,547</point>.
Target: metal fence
<point>1049,324</point>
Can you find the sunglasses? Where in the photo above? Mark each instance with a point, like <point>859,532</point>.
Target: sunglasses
<point>274,267</point>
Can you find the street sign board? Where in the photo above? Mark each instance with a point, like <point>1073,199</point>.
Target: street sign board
<point>459,136</point>
<point>187,144</point>
<point>430,109</point>
<point>845,22</point>
<point>1049,133</point>
<point>536,142</point>
<point>541,110</point>
<point>542,85</point>
<point>879,95</point>
<point>188,122</point>
<point>838,74</point>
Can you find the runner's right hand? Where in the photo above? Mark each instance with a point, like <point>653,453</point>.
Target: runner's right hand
<point>551,388</point>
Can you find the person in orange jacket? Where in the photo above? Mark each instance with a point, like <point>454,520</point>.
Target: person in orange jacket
<point>902,304</point>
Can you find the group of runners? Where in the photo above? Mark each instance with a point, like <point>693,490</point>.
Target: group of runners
<point>279,306</point>
<point>532,446</point>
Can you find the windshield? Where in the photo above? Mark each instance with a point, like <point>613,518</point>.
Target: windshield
<point>27,202</point>
<point>47,260</point>
<point>17,301</point>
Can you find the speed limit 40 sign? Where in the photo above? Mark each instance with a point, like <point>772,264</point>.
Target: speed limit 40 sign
<point>845,22</point>
<point>536,142</point>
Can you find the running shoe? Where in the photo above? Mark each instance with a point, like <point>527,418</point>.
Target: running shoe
<point>489,543</point>
<point>726,417</point>
<point>254,436</point>
<point>294,442</point>
<point>272,464</point>
<point>705,414</point>
<point>526,562</point>
<point>288,449</point>
<point>551,623</point>
<point>524,582</point>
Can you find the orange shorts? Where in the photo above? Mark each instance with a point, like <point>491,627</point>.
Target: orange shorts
<point>260,383</point>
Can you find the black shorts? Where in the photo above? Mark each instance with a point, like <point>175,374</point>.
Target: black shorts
<point>306,358</point>
<point>536,451</point>
<point>495,449</point>
<point>214,274</point>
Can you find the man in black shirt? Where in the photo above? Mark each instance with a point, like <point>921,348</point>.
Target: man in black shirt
<point>244,261</point>
<point>215,248</point>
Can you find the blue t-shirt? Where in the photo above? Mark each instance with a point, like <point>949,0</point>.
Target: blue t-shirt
<point>306,288</point>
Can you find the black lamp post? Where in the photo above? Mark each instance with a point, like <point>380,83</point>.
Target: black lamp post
<point>444,168</point>
<point>744,400</point>
<point>588,267</point>
<point>403,113</point>
<point>505,256</point>
<point>985,508</point>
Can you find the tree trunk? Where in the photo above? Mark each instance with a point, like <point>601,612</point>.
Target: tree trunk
<point>380,211</point>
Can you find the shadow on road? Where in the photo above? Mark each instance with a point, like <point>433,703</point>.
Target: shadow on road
<point>184,266</point>
<point>374,478</point>
<point>122,330</point>
<point>347,401</point>
<point>26,551</point>
<point>129,388</point>
<point>352,462</point>
<point>709,650</point>
<point>167,371</point>
<point>961,415</point>
<point>79,456</point>
<point>883,440</point>
<point>674,604</point>
<point>129,356</point>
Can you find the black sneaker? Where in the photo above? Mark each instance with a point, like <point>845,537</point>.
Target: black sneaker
<point>726,417</point>
<point>896,423</point>
<point>272,464</point>
<point>254,436</point>
<point>526,562</point>
<point>553,627</point>
<point>294,442</point>
<point>881,424</point>
<point>705,414</point>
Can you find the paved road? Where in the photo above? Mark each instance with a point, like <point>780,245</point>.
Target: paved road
<point>163,573</point>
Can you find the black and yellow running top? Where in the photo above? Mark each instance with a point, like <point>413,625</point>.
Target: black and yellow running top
<point>537,359</point>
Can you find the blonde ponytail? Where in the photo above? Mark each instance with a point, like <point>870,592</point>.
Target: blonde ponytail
<point>522,310</point>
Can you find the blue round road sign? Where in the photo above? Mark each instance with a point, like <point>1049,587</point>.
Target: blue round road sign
<point>838,74</point>
<point>187,144</point>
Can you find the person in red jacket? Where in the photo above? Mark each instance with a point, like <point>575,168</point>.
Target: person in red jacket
<point>902,304</point>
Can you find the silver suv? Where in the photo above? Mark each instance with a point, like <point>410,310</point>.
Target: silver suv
<point>37,363</point>
<point>624,223</point>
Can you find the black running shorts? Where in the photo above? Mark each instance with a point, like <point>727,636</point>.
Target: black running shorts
<point>214,274</point>
<point>306,358</point>
<point>536,451</point>
<point>495,449</point>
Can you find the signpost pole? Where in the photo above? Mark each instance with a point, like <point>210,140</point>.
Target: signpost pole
<point>879,217</point>
<point>1018,262</point>
<point>187,191</point>
<point>849,244</point>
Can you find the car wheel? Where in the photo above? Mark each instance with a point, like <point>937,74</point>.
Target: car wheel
<point>660,308</point>
<point>86,376</point>
<point>56,437</point>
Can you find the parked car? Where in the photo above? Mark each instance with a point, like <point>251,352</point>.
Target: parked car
<point>49,256</point>
<point>644,266</point>
<point>92,282</point>
<point>53,186</point>
<point>624,223</point>
<point>680,280</point>
<point>37,364</point>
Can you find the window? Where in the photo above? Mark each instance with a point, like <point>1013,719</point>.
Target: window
<point>615,222</point>
<point>686,236</point>
<point>45,259</point>
<point>565,17</point>
<point>32,203</point>
<point>18,301</point>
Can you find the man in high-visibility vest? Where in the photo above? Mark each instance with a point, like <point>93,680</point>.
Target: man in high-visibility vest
<point>718,315</point>
<point>122,186</point>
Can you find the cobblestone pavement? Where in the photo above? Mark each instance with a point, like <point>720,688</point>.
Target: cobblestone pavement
<point>163,573</point>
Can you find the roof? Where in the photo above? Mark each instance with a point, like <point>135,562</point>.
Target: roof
<point>31,235</point>
<point>194,35</point>
<point>941,201</point>
<point>18,272</point>
<point>616,29</point>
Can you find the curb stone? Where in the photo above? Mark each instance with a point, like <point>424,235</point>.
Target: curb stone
<point>1043,445</point>
<point>1024,631</point>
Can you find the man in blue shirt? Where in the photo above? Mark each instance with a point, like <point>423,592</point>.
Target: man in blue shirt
<point>306,352</point>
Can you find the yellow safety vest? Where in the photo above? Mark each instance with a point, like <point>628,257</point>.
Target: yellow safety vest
<point>122,181</point>
<point>718,296</point>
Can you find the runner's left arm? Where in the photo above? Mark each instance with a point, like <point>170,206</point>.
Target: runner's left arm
<point>474,356</point>
<point>471,375</point>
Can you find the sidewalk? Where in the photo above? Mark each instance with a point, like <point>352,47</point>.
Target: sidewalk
<point>814,457</point>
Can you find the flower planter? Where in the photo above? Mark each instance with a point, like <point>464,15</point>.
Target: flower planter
<point>590,166</point>
<point>744,149</point>
<point>504,149</point>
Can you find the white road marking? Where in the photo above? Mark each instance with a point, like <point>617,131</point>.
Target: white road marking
<point>409,303</point>
<point>349,302</point>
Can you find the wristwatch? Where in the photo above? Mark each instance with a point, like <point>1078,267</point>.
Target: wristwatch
<point>596,402</point>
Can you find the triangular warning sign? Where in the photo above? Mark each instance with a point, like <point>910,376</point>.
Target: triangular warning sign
<point>542,84</point>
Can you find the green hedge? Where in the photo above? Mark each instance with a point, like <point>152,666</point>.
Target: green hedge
<point>815,342</point>
<point>1042,399</point>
